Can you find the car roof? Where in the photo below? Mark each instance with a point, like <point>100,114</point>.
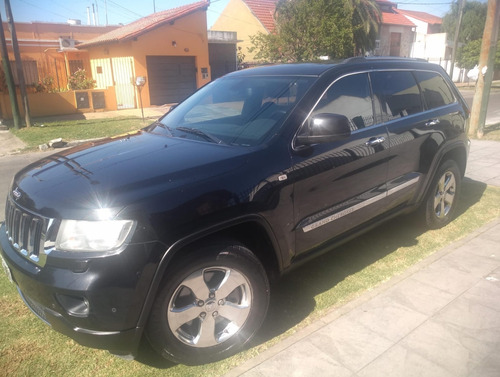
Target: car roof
<point>317,69</point>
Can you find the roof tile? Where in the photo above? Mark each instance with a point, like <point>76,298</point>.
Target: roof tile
<point>395,19</point>
<point>422,16</point>
<point>263,10</point>
<point>144,25</point>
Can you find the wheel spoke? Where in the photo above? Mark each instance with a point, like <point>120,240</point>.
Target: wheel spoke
<point>206,336</point>
<point>231,281</point>
<point>180,316</point>
<point>441,183</point>
<point>197,285</point>
<point>442,209</point>
<point>237,314</point>
<point>437,202</point>
<point>448,198</point>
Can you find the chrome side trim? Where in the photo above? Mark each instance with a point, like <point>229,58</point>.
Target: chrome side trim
<point>358,206</point>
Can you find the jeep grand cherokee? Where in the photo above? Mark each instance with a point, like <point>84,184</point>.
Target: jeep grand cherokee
<point>174,231</point>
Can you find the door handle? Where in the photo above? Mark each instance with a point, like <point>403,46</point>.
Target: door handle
<point>432,122</point>
<point>375,141</point>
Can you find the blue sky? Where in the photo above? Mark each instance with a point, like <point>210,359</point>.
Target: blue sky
<point>126,11</point>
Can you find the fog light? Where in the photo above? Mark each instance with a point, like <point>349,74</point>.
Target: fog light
<point>75,306</point>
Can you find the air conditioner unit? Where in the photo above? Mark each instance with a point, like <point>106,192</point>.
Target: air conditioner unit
<point>66,43</point>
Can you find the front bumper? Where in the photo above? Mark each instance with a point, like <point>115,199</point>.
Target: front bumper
<point>95,301</point>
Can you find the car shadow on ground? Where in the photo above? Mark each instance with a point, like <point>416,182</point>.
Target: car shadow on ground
<point>293,296</point>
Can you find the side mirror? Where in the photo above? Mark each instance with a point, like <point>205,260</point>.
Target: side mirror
<point>325,128</point>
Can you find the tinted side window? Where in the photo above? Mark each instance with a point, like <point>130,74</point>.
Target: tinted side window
<point>397,92</point>
<point>434,89</point>
<point>350,96</point>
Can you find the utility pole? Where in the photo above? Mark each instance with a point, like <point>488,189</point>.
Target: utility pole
<point>19,63</point>
<point>461,6</point>
<point>9,79</point>
<point>486,59</point>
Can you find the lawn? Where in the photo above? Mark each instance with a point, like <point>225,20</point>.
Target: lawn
<point>71,130</point>
<point>492,132</point>
<point>28,347</point>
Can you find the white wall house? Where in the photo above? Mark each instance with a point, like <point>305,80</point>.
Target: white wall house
<point>430,43</point>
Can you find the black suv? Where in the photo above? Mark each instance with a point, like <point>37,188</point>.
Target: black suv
<point>174,231</point>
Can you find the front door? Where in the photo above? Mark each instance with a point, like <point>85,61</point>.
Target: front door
<point>395,44</point>
<point>123,74</point>
<point>341,184</point>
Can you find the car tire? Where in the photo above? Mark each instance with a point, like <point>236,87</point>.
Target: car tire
<point>210,304</point>
<point>442,199</point>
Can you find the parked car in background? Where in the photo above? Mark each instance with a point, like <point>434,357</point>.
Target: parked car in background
<point>174,232</point>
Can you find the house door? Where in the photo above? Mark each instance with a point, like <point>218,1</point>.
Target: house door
<point>395,44</point>
<point>123,74</point>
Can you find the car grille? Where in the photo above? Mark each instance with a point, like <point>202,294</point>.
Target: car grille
<point>27,232</point>
<point>34,306</point>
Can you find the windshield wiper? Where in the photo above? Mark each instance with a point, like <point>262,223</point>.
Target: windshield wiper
<point>157,123</point>
<point>201,133</point>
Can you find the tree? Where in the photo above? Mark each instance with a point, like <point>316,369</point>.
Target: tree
<point>365,21</point>
<point>473,21</point>
<point>306,30</point>
<point>468,55</point>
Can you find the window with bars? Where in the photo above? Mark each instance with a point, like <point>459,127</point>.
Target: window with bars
<point>75,65</point>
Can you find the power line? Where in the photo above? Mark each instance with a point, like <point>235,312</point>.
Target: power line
<point>43,9</point>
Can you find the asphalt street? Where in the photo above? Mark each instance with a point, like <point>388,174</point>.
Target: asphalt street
<point>493,113</point>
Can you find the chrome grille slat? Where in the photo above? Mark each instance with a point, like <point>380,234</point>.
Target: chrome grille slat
<point>26,232</point>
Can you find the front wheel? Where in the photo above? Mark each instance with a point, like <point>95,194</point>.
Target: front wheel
<point>441,202</point>
<point>212,302</point>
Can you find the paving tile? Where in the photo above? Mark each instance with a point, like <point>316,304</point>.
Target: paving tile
<point>453,348</point>
<point>476,316</point>
<point>489,366</point>
<point>487,291</point>
<point>445,277</point>
<point>402,362</point>
<point>389,318</point>
<point>419,296</point>
<point>303,359</point>
<point>350,343</point>
<point>492,235</point>
<point>476,258</point>
<point>459,337</point>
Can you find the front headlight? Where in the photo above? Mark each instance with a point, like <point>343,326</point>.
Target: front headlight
<point>107,235</point>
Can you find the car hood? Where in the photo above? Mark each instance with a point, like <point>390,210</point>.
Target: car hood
<point>117,172</point>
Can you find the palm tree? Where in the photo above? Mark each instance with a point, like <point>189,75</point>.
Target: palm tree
<point>365,20</point>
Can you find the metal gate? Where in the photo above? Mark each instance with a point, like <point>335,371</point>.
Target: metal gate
<point>117,72</point>
<point>171,78</point>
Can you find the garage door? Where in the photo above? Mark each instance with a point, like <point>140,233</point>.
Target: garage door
<point>171,78</point>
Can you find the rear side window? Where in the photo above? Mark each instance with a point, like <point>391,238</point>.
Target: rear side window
<point>397,92</point>
<point>349,96</point>
<point>434,89</point>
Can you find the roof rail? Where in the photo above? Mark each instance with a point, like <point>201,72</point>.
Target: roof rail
<point>356,59</point>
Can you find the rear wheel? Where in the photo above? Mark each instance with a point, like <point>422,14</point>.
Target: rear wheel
<point>211,304</point>
<point>441,202</point>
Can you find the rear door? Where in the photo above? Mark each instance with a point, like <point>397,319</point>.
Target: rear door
<point>416,111</point>
<point>341,184</point>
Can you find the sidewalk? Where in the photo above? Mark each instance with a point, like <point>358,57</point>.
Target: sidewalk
<point>440,318</point>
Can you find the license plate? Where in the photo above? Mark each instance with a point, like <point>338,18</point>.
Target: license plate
<point>7,270</point>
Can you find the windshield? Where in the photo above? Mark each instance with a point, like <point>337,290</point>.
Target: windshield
<point>235,111</point>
